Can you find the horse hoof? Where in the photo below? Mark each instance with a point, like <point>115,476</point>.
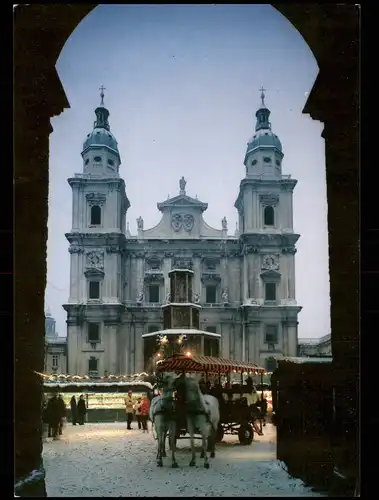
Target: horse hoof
<point>206,465</point>
<point>192,463</point>
<point>160,464</point>
<point>212,454</point>
<point>175,465</point>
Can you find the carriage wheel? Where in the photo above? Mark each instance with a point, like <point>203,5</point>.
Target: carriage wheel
<point>219,433</point>
<point>245,434</point>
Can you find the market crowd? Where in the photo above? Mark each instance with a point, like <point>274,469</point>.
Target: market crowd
<point>54,414</point>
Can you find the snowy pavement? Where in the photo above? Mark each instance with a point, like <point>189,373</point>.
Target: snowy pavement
<point>106,460</point>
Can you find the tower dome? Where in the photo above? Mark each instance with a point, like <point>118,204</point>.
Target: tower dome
<point>263,138</point>
<point>101,136</point>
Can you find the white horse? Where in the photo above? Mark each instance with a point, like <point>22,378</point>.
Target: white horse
<point>203,414</point>
<point>162,416</point>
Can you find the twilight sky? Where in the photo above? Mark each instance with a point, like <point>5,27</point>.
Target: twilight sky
<point>182,90</point>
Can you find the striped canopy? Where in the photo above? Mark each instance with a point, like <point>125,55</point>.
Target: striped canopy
<point>207,364</point>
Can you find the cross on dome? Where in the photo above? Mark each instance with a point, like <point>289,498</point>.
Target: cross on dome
<point>102,88</point>
<point>263,90</point>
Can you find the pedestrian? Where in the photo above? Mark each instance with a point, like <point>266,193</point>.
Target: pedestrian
<point>138,412</point>
<point>54,417</point>
<point>62,412</point>
<point>45,421</point>
<point>145,409</point>
<point>81,410</point>
<point>74,410</point>
<point>251,396</point>
<point>129,409</point>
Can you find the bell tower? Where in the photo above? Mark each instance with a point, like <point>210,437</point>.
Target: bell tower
<point>267,240</point>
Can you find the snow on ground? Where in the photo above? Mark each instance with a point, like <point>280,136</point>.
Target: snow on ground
<point>107,460</point>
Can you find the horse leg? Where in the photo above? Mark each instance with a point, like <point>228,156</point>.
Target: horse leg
<point>159,438</point>
<point>172,440</point>
<point>191,433</point>
<point>204,434</point>
<point>164,454</point>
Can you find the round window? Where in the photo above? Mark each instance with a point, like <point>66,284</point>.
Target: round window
<point>254,162</point>
<point>110,162</point>
<point>278,163</point>
<point>267,159</point>
<point>97,159</point>
<point>86,162</point>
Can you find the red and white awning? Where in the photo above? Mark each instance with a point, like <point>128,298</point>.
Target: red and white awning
<point>207,364</point>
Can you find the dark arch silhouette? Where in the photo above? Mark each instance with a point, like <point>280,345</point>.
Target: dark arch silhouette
<point>40,32</point>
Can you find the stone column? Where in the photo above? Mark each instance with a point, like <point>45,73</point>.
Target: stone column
<point>245,291</point>
<point>73,346</point>
<point>140,274</point>
<point>138,347</point>
<point>225,341</point>
<point>197,256</point>
<point>167,261</point>
<point>254,210</point>
<point>285,344</point>
<point>292,338</point>
<point>75,208</point>
<point>283,269</point>
<point>254,328</point>
<point>291,273</point>
<point>81,278</point>
<point>110,346</point>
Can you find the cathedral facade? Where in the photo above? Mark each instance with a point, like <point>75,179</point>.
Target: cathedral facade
<point>244,283</point>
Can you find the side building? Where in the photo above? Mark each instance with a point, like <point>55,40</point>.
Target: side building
<point>55,347</point>
<point>245,282</point>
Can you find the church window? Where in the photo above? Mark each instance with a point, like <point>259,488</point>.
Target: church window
<point>270,291</point>
<point>154,293</point>
<point>87,161</point>
<point>269,216</point>
<point>270,365</point>
<point>94,290</point>
<point>55,361</point>
<point>210,294</point>
<point>93,332</point>
<point>95,215</point>
<point>93,365</point>
<point>110,162</point>
<point>278,162</point>
<point>271,334</point>
<point>267,159</point>
<point>97,159</point>
<point>254,162</point>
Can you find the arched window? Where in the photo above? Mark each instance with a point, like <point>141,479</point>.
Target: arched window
<point>269,216</point>
<point>95,215</point>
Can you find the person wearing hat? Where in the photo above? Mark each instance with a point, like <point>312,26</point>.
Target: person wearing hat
<point>129,409</point>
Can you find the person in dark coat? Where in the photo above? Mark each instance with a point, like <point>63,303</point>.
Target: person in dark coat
<point>62,412</point>
<point>81,410</point>
<point>54,415</point>
<point>74,410</point>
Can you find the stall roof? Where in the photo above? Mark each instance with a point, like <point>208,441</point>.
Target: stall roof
<point>90,383</point>
<point>299,360</point>
<point>206,364</point>
<point>181,331</point>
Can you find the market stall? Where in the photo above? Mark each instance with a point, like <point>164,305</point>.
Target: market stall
<point>105,399</point>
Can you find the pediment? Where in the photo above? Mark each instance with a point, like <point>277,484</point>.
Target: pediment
<point>270,275</point>
<point>182,201</point>
<point>94,273</point>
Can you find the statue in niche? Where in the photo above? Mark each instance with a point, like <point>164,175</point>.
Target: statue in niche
<point>168,297</point>
<point>140,223</point>
<point>140,297</point>
<point>224,223</point>
<point>196,298</point>
<point>224,296</point>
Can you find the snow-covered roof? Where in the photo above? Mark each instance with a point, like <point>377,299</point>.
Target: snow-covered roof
<point>304,360</point>
<point>181,331</point>
<point>96,384</point>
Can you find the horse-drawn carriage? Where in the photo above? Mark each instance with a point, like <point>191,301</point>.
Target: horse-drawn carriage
<point>235,416</point>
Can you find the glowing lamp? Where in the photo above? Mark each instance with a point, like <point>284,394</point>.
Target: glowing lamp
<point>188,354</point>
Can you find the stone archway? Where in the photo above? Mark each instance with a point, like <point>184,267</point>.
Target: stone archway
<point>40,32</point>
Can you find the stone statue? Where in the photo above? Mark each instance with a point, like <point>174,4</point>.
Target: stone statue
<point>140,296</point>
<point>196,298</point>
<point>168,297</point>
<point>224,223</point>
<point>225,297</point>
<point>182,185</point>
<point>140,223</point>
